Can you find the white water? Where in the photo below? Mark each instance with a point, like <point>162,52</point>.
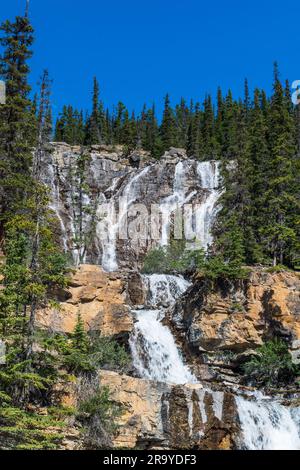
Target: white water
<point>154,351</point>
<point>176,200</point>
<point>153,348</point>
<point>111,223</point>
<point>209,179</point>
<point>268,425</point>
<point>55,204</point>
<point>108,229</point>
<point>209,174</point>
<point>164,289</point>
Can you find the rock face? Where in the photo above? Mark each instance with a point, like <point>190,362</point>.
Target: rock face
<point>238,317</point>
<point>98,297</point>
<point>90,187</point>
<point>159,415</point>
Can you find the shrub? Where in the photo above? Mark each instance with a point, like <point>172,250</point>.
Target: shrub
<point>272,365</point>
<point>278,268</point>
<point>175,258</point>
<point>166,259</point>
<point>98,414</point>
<point>86,354</point>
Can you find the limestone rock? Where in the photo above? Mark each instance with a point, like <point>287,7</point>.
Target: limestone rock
<point>98,297</point>
<point>241,315</point>
<point>160,415</point>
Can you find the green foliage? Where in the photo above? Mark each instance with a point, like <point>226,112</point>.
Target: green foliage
<point>99,413</point>
<point>30,430</point>
<point>272,365</point>
<point>278,268</point>
<point>109,354</point>
<point>79,337</point>
<point>176,258</point>
<point>88,354</point>
<point>166,259</point>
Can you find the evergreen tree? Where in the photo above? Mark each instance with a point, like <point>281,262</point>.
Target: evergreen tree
<point>194,137</point>
<point>94,131</point>
<point>182,123</point>
<point>79,336</point>
<point>209,143</point>
<point>17,118</point>
<point>167,128</point>
<point>281,205</point>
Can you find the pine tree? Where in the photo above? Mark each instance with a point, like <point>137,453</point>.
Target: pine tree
<point>209,142</point>
<point>79,336</point>
<point>280,200</point>
<point>194,137</point>
<point>167,128</point>
<point>17,120</point>
<point>182,123</point>
<point>94,133</point>
<point>33,264</point>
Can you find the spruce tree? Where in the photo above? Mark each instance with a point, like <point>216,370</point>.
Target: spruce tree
<point>194,135</point>
<point>79,336</point>
<point>167,128</point>
<point>17,118</point>
<point>94,133</point>
<point>280,198</point>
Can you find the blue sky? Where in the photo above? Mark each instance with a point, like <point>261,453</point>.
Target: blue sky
<point>141,49</point>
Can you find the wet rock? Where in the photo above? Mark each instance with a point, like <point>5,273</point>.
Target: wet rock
<point>136,289</point>
<point>160,415</point>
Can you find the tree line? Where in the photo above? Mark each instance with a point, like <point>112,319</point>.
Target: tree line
<point>38,365</point>
<point>256,138</point>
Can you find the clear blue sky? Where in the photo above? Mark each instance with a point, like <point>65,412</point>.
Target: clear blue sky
<point>141,49</point>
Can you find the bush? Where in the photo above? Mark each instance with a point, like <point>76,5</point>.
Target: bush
<point>28,430</point>
<point>166,259</point>
<point>272,365</point>
<point>98,413</point>
<point>109,354</point>
<point>176,259</point>
<point>278,269</point>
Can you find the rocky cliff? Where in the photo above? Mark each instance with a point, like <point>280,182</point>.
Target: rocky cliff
<point>93,191</point>
<point>187,338</point>
<point>232,319</point>
<point>236,317</point>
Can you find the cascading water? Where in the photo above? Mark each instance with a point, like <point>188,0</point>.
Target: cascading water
<point>268,425</point>
<point>55,203</point>
<point>153,348</point>
<point>107,229</point>
<point>209,174</point>
<point>176,200</point>
<point>155,354</point>
<point>209,179</point>
<point>164,289</point>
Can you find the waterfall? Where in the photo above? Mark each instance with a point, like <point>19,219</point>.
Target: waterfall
<point>153,348</point>
<point>176,200</point>
<point>164,289</point>
<point>209,179</point>
<point>154,351</point>
<point>55,204</point>
<point>268,425</point>
<point>110,222</point>
<point>209,174</point>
